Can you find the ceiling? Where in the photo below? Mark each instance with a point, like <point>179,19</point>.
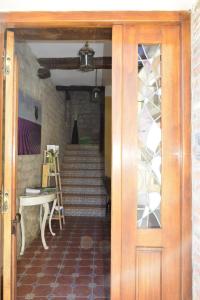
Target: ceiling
<point>91,5</point>
<point>59,49</point>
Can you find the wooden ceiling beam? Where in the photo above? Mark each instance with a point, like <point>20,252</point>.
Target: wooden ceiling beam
<point>71,34</point>
<point>73,63</point>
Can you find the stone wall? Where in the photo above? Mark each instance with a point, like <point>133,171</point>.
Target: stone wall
<point>196,148</point>
<point>53,131</point>
<point>88,113</point>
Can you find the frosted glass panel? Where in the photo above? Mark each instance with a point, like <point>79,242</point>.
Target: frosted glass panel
<point>149,136</point>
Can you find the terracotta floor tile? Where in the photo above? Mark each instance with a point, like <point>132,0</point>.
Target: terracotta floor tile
<point>83,280</point>
<point>51,270</point>
<point>65,279</point>
<point>47,279</point>
<point>99,280</point>
<point>21,269</point>
<point>57,298</point>
<point>85,271</point>
<point>69,262</point>
<point>100,291</point>
<point>67,268</point>
<point>42,290</point>
<point>33,270</point>
<point>63,290</point>
<point>28,279</point>
<point>83,291</point>
<point>23,290</point>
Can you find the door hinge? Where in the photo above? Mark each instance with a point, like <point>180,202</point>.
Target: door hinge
<point>6,64</point>
<point>3,201</point>
<point>15,222</point>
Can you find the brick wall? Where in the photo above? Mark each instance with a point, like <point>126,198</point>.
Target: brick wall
<point>196,148</point>
<point>53,131</point>
<point>88,114</point>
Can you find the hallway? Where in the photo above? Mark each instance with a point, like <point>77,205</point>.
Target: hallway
<point>76,266</point>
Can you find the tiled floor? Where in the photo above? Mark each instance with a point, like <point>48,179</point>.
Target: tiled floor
<point>76,265</point>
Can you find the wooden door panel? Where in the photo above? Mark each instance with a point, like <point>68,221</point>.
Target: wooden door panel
<point>148,273</point>
<point>9,167</point>
<point>1,151</point>
<point>171,206</point>
<point>151,255</point>
<point>117,35</point>
<point>14,156</point>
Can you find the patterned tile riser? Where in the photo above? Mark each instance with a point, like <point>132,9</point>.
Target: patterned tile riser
<point>83,166</point>
<point>82,152</point>
<point>75,201</point>
<point>93,212</point>
<point>82,173</point>
<point>87,159</point>
<point>84,190</point>
<point>82,181</point>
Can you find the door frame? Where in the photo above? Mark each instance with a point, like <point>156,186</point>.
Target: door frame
<point>116,20</point>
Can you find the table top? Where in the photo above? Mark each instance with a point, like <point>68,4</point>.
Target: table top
<point>30,199</point>
<point>43,191</point>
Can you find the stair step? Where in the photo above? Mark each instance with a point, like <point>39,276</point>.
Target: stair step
<point>87,189</point>
<point>82,181</point>
<point>86,211</point>
<point>83,166</point>
<point>79,159</point>
<point>82,176</point>
<point>84,199</point>
<point>82,147</point>
<point>82,173</point>
<point>86,152</point>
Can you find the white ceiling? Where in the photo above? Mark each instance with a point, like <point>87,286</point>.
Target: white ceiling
<point>71,49</point>
<point>89,5</point>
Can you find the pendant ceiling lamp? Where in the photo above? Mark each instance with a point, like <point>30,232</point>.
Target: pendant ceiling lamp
<point>86,58</point>
<point>96,92</point>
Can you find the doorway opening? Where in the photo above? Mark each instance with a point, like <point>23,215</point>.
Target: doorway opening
<point>60,105</point>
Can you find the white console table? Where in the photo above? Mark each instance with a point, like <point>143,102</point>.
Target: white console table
<point>43,199</point>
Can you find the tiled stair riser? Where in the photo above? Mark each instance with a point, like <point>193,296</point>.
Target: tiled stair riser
<point>93,212</point>
<point>86,153</point>
<point>87,159</point>
<point>82,173</point>
<point>84,190</point>
<point>83,147</point>
<point>82,181</point>
<point>83,166</point>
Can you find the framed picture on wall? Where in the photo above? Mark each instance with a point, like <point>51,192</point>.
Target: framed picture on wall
<point>29,125</point>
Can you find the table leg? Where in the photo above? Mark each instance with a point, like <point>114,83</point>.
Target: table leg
<point>22,230</point>
<point>46,210</point>
<point>50,217</point>
<point>41,211</point>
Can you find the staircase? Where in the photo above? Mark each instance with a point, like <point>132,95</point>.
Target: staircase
<point>82,176</point>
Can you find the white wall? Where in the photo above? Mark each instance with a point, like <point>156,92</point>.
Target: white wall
<point>89,5</point>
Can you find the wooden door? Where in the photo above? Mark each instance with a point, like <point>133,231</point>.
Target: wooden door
<point>9,166</point>
<point>1,146</point>
<point>147,126</point>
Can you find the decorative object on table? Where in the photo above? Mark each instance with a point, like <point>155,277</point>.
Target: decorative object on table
<point>45,172</point>
<point>52,170</point>
<point>29,125</point>
<point>75,136</point>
